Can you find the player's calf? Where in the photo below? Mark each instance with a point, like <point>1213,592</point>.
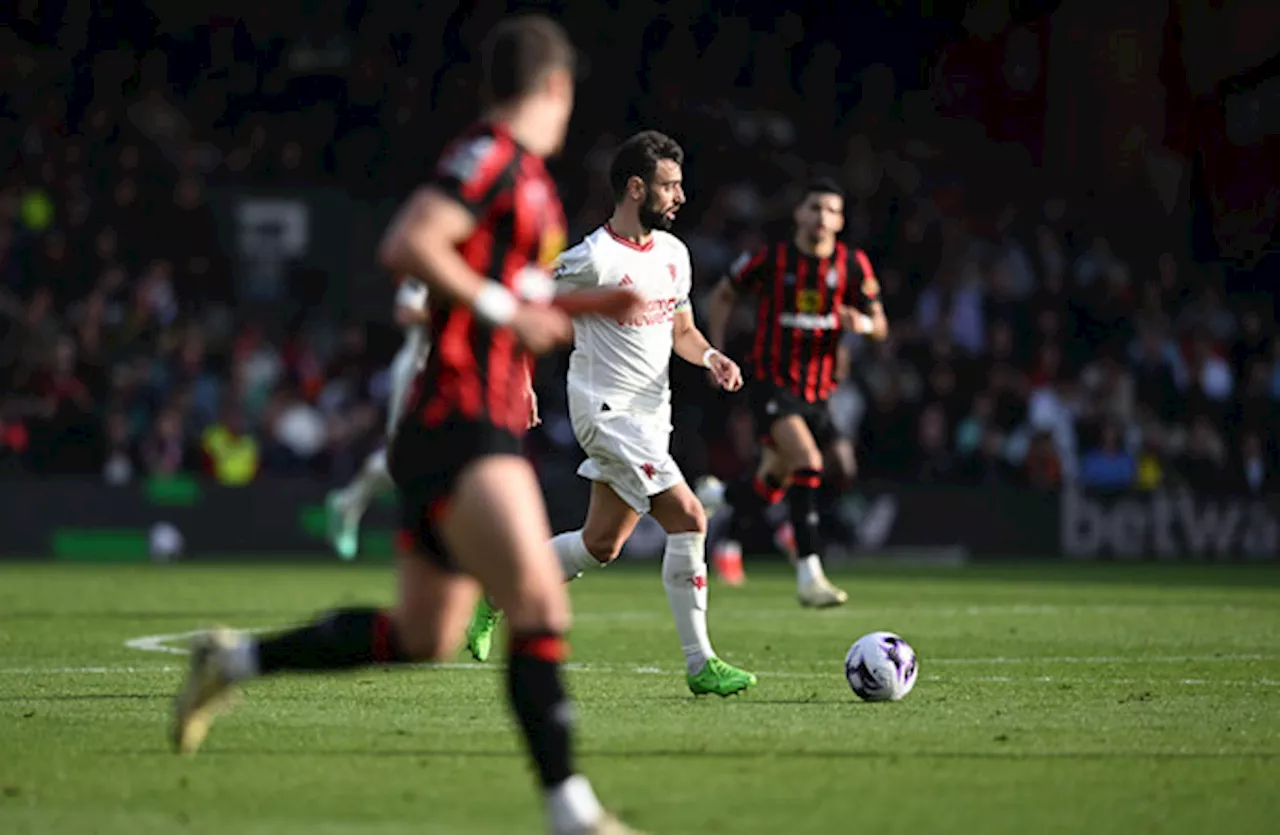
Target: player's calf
<point>599,542</point>
<point>341,640</point>
<point>610,521</point>
<point>812,586</point>
<point>684,577</point>
<point>496,527</point>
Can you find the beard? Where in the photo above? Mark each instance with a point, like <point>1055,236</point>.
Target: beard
<point>652,217</point>
<point>814,237</point>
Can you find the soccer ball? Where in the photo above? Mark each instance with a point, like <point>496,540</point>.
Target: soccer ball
<point>881,667</point>
<point>710,494</point>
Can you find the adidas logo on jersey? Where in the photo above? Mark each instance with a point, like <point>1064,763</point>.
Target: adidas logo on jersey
<point>626,281</point>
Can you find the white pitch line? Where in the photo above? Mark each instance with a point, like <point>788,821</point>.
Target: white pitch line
<point>657,671</point>
<point>160,643</point>
<point>41,671</point>
<point>1104,659</point>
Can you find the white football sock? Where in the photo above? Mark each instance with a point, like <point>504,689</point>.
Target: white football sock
<point>240,660</point>
<point>684,574</point>
<point>372,479</point>
<point>572,806</point>
<point>808,571</point>
<point>573,555</point>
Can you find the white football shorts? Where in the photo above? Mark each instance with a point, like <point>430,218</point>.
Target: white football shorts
<point>629,451</point>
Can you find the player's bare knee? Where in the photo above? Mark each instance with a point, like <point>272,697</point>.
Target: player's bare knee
<point>689,517</point>
<point>539,609</point>
<point>421,640</point>
<point>810,460</point>
<point>603,546</point>
<point>430,649</point>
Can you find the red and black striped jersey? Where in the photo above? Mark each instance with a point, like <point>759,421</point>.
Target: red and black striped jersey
<point>797,330</point>
<point>477,373</point>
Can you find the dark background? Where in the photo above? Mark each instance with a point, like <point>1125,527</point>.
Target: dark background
<point>1071,205</point>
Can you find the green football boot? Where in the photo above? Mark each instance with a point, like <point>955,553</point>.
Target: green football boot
<point>343,527</point>
<point>480,630</point>
<point>720,678</point>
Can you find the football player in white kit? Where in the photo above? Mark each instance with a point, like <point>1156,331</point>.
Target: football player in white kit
<point>620,401</point>
<point>345,507</point>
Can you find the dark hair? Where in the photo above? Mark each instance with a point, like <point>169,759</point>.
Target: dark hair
<point>518,53</point>
<point>639,157</point>
<point>822,185</point>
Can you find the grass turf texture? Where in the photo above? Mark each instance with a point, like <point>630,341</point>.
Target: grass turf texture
<point>1092,699</point>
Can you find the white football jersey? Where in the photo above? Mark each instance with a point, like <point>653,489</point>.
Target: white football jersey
<point>626,364</point>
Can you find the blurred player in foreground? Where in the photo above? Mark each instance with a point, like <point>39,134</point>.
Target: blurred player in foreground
<point>472,510</point>
<point>345,508</point>
<point>620,401</point>
<point>808,289</point>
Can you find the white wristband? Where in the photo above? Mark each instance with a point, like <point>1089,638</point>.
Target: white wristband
<point>494,304</point>
<point>707,355</point>
<point>865,324</point>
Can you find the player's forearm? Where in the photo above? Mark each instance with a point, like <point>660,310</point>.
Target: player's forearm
<point>421,242</point>
<point>879,323</point>
<point>844,361</point>
<point>691,346</point>
<point>438,263</point>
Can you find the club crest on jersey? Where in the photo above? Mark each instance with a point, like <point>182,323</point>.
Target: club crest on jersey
<point>535,191</point>
<point>461,160</point>
<point>552,244</point>
<point>833,278</point>
<point>808,301</point>
<point>671,268</point>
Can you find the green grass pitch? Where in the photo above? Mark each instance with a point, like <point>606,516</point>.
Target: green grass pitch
<point>1052,699</point>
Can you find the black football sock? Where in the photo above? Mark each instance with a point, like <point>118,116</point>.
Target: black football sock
<point>539,701</point>
<point>749,497</point>
<point>341,640</point>
<point>803,497</point>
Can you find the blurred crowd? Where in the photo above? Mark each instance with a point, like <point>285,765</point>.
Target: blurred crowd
<point>1035,340</point>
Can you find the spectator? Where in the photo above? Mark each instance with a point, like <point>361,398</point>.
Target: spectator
<point>167,452</point>
<point>952,306</point>
<point>1159,376</point>
<point>970,431</point>
<point>1108,466</point>
<point>121,461</point>
<point>989,465</point>
<point>1251,472</point>
<point>1204,462</point>
<point>1153,472</point>
<point>123,304</point>
<point>1042,467</point>
<point>230,453</point>
<point>934,462</point>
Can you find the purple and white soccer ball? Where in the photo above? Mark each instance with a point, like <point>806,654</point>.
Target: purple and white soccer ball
<point>881,667</point>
